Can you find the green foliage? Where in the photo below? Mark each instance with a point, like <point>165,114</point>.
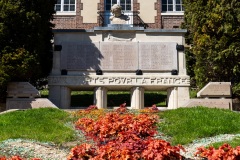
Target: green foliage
<point>25,40</point>
<point>45,124</point>
<point>187,124</point>
<point>214,32</point>
<point>193,93</point>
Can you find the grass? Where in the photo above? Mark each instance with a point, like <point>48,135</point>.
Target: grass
<point>45,125</point>
<point>234,143</point>
<point>184,125</point>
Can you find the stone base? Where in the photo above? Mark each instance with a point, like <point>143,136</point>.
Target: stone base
<point>28,103</point>
<point>211,103</point>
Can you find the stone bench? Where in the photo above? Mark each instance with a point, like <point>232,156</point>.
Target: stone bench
<point>21,89</point>
<point>22,95</point>
<point>213,95</point>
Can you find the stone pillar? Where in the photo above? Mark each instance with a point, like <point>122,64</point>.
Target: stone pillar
<point>182,63</point>
<point>183,96</point>
<point>65,100</point>
<point>137,98</point>
<point>100,97</point>
<point>172,98</point>
<point>56,63</point>
<point>54,95</point>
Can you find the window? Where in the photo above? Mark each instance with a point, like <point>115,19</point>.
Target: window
<point>126,4</point>
<point>172,6</point>
<point>65,6</point>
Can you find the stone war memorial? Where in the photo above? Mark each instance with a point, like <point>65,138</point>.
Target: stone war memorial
<point>136,47</point>
<point>119,57</point>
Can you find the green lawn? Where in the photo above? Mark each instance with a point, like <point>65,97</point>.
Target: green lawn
<point>45,124</point>
<point>184,125</point>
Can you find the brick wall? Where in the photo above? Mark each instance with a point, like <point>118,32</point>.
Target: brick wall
<point>76,21</point>
<point>170,22</point>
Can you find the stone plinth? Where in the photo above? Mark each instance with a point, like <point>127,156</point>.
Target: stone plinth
<point>216,89</point>
<point>210,103</point>
<point>28,103</point>
<point>23,97</point>
<point>21,89</point>
<point>213,95</point>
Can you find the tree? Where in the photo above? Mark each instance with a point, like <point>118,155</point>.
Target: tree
<point>214,32</point>
<point>25,40</point>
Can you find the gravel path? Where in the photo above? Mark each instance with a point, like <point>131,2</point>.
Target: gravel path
<point>47,151</point>
<point>192,148</point>
<point>33,149</point>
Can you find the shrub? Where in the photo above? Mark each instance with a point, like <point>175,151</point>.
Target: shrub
<point>223,152</point>
<point>121,135</point>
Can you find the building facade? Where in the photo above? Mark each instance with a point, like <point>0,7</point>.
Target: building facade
<point>87,14</point>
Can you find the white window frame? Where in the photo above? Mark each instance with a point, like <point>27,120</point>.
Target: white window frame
<point>62,12</point>
<point>173,12</point>
<point>118,2</point>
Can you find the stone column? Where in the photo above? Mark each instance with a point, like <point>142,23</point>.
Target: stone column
<point>182,63</point>
<point>137,98</point>
<point>65,100</point>
<point>100,97</point>
<point>56,63</point>
<point>54,95</point>
<point>172,98</point>
<point>183,96</point>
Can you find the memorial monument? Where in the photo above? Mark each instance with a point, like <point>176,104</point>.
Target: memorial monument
<point>119,57</point>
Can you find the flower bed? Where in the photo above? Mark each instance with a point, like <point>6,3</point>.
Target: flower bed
<point>124,134</point>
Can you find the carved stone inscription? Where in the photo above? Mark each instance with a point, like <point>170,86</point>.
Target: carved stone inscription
<point>80,56</point>
<point>128,56</point>
<point>119,56</point>
<point>216,89</point>
<point>157,56</point>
